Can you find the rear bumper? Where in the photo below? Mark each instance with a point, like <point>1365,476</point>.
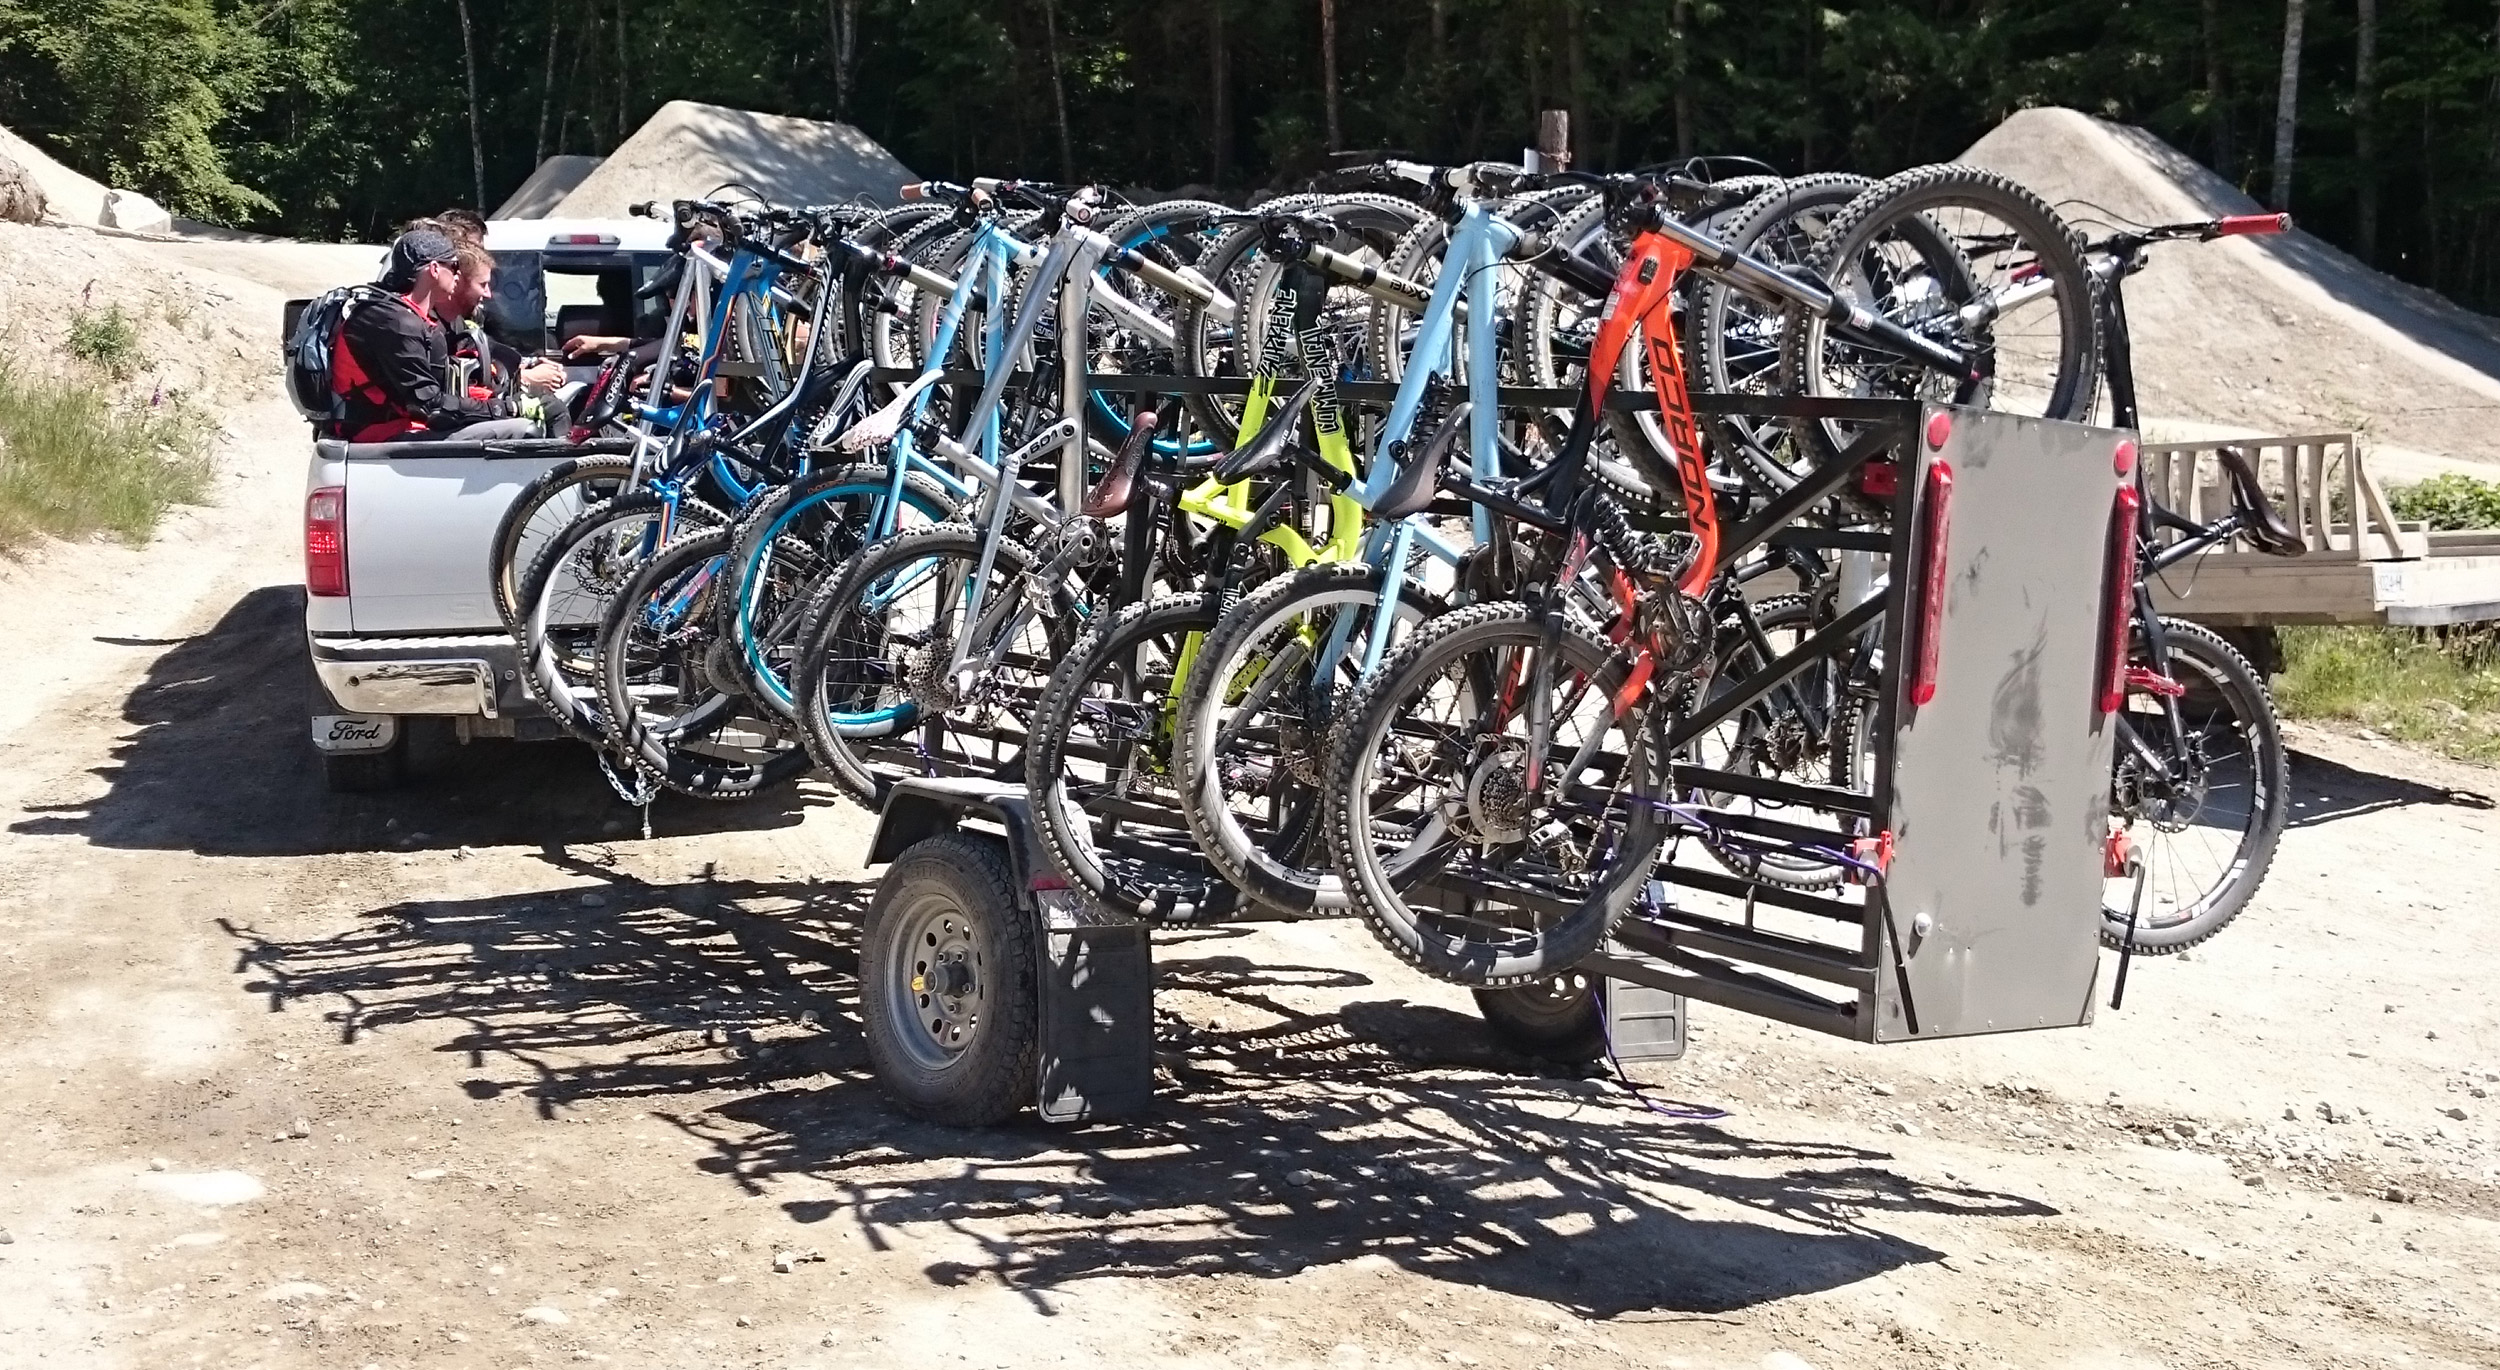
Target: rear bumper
<point>478,676</point>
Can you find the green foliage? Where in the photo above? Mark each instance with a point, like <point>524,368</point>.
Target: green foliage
<point>344,117</point>
<point>74,464</point>
<point>105,340</point>
<point>2451,501</point>
<point>147,87</point>
<point>2433,688</point>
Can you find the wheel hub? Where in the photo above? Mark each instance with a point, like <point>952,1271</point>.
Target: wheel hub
<point>1497,798</point>
<point>925,675</point>
<point>2172,798</point>
<point>941,971</point>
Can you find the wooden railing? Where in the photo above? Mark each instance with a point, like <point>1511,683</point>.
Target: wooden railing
<point>2318,483</point>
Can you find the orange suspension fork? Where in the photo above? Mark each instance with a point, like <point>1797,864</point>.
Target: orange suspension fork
<point>1640,299</point>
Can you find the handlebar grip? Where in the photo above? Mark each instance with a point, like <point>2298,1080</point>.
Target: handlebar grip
<point>646,209</point>
<point>2251,225</point>
<point>913,191</point>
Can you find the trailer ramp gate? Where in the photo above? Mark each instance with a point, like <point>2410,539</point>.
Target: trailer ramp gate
<point>1989,775</point>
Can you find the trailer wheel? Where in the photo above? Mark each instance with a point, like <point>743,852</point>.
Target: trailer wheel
<point>1560,1018</point>
<point>947,983</point>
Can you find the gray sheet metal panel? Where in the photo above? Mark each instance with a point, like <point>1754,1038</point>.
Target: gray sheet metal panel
<point>2000,789</point>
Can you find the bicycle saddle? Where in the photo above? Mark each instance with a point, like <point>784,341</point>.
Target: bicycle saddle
<point>1264,451</point>
<point>1111,495</point>
<point>2265,527</point>
<point>1421,480</point>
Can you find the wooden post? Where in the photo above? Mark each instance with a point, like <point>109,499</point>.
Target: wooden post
<point>1553,140</point>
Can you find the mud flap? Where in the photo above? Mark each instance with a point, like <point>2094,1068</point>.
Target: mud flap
<point>1096,1057</point>
<point>1643,1023</point>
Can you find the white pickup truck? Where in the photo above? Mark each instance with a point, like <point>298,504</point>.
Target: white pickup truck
<point>399,615</point>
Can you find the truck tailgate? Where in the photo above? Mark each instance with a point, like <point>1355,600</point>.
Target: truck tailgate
<point>419,527</point>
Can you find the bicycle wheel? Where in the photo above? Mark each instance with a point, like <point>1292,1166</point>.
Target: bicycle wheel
<point>2202,803</point>
<point>1736,339</point>
<point>787,543</point>
<point>1254,722</point>
<point>1810,731</point>
<point>1369,229</point>
<point>564,599</point>
<point>542,509</point>
<point>667,687</point>
<point>1560,1018</point>
<point>1558,326</point>
<point>1557,321</point>
<point>1429,807</point>
<point>1218,345</point>
<point>1174,233</point>
<point>1100,768</point>
<point>892,341</point>
<point>876,698</point>
<point>1969,258</point>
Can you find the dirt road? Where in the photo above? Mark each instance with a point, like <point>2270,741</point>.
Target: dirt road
<point>471,1075</point>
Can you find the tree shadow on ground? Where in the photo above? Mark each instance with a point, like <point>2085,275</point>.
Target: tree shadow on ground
<point>218,762</point>
<point>2323,791</point>
<point>1376,1127</point>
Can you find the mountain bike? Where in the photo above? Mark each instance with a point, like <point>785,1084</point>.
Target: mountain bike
<point>2199,784</point>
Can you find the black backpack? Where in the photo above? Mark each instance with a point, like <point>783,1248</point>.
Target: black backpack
<point>312,350</point>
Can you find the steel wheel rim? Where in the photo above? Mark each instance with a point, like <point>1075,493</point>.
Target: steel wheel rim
<point>939,982</point>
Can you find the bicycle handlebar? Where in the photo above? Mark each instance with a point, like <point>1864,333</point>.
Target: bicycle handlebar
<point>2248,225</point>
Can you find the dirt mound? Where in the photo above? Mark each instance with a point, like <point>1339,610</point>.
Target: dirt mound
<point>2273,335</point>
<point>687,150</point>
<point>72,198</point>
<point>295,270</point>
<point>198,332</point>
<point>546,187</point>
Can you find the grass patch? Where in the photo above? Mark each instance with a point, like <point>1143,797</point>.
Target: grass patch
<point>2447,502</point>
<point>2433,689</point>
<point>75,464</point>
<point>2437,688</point>
<point>106,340</point>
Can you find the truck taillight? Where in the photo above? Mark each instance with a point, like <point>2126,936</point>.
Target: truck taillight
<point>325,541</point>
<point>2123,519</point>
<point>1937,514</point>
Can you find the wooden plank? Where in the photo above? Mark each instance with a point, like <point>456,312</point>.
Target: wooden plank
<point>2313,472</point>
<point>2352,507</point>
<point>2268,590</point>
<point>2244,591</point>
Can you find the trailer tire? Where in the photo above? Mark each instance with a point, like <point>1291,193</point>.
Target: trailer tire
<point>947,917</point>
<point>1561,1018</point>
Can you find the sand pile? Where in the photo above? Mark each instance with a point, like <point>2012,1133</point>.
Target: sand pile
<point>687,150</point>
<point>546,187</point>
<point>72,198</point>
<point>2268,335</point>
<point>200,333</point>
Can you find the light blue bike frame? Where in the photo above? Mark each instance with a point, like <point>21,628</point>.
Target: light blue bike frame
<point>1468,270</point>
